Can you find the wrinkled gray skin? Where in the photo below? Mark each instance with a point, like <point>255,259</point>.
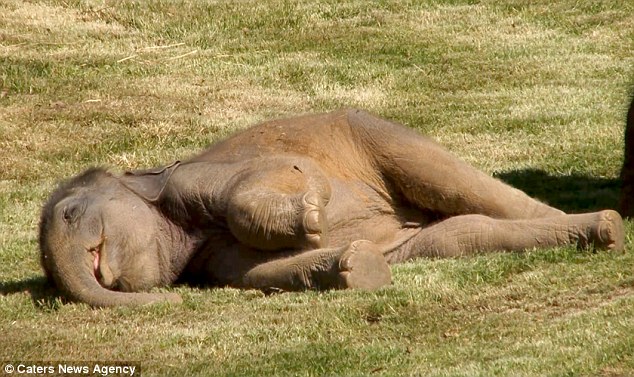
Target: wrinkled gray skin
<point>315,202</point>
<point>626,202</point>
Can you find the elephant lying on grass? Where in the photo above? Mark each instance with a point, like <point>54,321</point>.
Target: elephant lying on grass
<point>315,202</point>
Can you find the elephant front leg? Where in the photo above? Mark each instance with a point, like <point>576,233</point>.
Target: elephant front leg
<point>359,265</point>
<point>270,220</point>
<point>469,234</point>
<point>280,204</point>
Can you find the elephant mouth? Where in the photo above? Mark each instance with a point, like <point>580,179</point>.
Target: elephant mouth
<point>101,271</point>
<point>96,254</point>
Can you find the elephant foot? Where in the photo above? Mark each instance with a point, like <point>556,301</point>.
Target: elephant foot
<point>362,266</point>
<point>607,233</point>
<point>314,220</point>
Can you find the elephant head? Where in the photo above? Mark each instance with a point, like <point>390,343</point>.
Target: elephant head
<point>102,241</point>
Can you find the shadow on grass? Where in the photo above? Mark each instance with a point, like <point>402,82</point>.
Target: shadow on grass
<point>43,295</point>
<point>571,193</point>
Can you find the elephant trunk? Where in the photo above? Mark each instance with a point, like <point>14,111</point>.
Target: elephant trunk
<point>76,278</point>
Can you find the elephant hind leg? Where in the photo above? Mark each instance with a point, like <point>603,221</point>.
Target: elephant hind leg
<point>606,233</point>
<point>431,178</point>
<point>469,234</point>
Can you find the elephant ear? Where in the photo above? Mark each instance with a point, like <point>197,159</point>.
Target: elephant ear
<point>149,184</point>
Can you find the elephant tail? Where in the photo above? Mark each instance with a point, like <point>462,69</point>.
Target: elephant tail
<point>393,251</point>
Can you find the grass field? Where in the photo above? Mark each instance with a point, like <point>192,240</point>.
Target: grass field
<point>532,92</point>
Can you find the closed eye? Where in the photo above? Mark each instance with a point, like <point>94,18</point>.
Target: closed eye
<point>72,212</point>
<point>68,215</point>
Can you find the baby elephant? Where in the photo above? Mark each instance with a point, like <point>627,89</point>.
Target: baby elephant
<point>314,202</point>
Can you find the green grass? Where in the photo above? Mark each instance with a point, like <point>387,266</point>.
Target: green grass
<point>532,92</point>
